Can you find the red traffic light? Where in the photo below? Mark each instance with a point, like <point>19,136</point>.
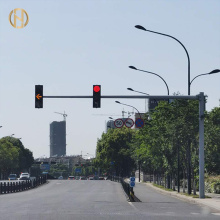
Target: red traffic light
<point>96,88</point>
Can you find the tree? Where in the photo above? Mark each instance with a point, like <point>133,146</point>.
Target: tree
<point>8,157</point>
<point>113,152</point>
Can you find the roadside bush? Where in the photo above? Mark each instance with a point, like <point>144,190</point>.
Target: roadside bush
<point>212,184</point>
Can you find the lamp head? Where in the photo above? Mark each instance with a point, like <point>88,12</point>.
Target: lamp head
<point>214,71</point>
<point>130,89</point>
<point>132,67</point>
<point>140,27</point>
<point>118,102</point>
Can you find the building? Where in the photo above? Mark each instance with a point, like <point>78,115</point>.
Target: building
<point>58,138</point>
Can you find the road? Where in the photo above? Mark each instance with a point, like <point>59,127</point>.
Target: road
<point>93,200</point>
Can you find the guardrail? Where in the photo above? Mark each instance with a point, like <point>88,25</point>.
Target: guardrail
<point>126,186</point>
<point>12,187</point>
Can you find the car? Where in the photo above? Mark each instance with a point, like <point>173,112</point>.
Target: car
<point>101,178</point>
<point>83,178</point>
<point>91,178</point>
<point>27,175</point>
<point>96,178</point>
<point>12,177</point>
<point>77,177</point>
<point>71,178</point>
<point>60,178</point>
<point>24,178</point>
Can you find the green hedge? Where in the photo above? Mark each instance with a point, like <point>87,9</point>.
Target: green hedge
<point>212,184</point>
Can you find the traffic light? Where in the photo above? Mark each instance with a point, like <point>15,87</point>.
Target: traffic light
<point>38,96</point>
<point>96,96</point>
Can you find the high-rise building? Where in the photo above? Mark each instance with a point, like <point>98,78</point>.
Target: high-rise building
<point>58,138</point>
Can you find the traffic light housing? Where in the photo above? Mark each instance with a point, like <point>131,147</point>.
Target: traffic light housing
<point>96,96</point>
<point>38,96</point>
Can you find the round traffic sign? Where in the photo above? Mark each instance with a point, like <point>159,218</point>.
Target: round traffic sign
<point>129,123</point>
<point>132,184</point>
<point>132,178</point>
<point>118,123</point>
<point>139,123</point>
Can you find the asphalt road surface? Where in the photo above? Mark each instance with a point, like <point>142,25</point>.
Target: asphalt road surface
<point>94,200</point>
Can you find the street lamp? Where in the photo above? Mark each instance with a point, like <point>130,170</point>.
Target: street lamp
<point>212,72</point>
<point>134,68</point>
<point>140,93</point>
<point>129,106</point>
<point>144,29</point>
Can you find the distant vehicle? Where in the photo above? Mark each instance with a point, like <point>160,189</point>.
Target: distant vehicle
<point>12,177</point>
<point>96,178</point>
<point>101,178</point>
<point>71,178</point>
<point>24,178</point>
<point>77,177</point>
<point>60,178</point>
<point>27,175</point>
<point>91,178</point>
<point>83,178</point>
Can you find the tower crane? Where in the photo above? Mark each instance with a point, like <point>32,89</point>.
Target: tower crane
<point>64,115</point>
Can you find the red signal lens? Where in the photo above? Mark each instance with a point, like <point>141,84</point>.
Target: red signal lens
<point>96,88</point>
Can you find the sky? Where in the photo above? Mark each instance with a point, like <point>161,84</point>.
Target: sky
<point>69,46</point>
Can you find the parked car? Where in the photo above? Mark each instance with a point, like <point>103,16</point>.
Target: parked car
<point>101,178</point>
<point>12,177</point>
<point>91,178</point>
<point>71,178</point>
<point>77,177</point>
<point>60,178</point>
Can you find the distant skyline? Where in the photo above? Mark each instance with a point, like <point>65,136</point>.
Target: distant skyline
<point>69,46</point>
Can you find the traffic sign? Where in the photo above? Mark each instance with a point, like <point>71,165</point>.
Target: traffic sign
<point>129,123</point>
<point>118,123</point>
<point>132,181</point>
<point>139,123</point>
<point>132,178</point>
<point>78,170</point>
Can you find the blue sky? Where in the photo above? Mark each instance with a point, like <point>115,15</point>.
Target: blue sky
<point>68,46</point>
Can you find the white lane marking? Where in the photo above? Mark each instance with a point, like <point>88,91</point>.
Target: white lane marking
<point>215,213</point>
<point>130,203</point>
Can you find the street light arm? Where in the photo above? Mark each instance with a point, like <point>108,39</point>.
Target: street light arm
<point>158,76</point>
<point>198,76</point>
<point>212,72</point>
<point>129,106</point>
<point>142,28</point>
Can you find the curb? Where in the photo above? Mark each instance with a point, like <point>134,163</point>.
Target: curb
<point>185,198</point>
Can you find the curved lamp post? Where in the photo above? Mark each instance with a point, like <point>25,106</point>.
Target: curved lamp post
<point>129,106</point>
<point>137,91</point>
<point>140,93</point>
<point>212,72</point>
<point>144,29</point>
<point>134,68</point>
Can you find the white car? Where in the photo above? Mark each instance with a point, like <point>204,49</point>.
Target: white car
<point>24,176</point>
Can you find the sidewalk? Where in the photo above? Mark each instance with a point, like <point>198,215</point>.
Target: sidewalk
<point>141,191</point>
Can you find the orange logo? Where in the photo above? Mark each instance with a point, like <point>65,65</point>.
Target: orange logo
<point>21,19</point>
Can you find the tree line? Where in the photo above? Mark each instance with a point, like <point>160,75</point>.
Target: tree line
<point>170,130</point>
<point>14,157</point>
